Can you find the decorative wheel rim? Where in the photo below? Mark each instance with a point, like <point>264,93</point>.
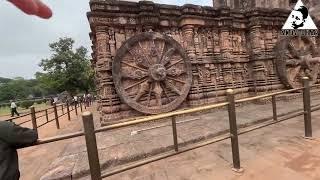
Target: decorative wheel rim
<point>152,73</point>
<point>296,59</point>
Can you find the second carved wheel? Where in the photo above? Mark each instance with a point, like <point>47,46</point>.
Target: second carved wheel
<point>297,58</point>
<point>152,73</point>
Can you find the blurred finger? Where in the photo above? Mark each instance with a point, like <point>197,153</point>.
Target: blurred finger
<point>33,7</point>
<point>43,10</point>
<point>27,6</point>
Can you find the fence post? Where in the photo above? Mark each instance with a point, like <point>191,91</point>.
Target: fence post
<point>56,115</point>
<point>68,111</point>
<point>75,107</point>
<point>174,132</point>
<point>34,119</point>
<point>62,109</point>
<point>233,131</point>
<point>81,106</point>
<point>307,108</point>
<point>274,108</point>
<point>91,143</point>
<point>47,117</point>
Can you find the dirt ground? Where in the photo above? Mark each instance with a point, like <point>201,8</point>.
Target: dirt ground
<point>34,161</point>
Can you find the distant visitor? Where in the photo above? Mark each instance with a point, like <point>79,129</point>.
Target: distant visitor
<point>13,108</point>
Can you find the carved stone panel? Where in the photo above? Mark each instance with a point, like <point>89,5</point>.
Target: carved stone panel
<point>152,73</point>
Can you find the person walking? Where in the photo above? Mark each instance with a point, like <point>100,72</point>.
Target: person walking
<point>13,137</point>
<point>13,107</point>
<point>89,99</point>
<point>75,100</point>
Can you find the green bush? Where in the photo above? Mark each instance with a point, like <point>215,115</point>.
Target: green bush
<point>26,104</point>
<point>40,101</point>
<point>5,105</point>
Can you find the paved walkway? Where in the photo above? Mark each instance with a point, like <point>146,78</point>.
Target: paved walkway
<point>275,152</point>
<point>121,146</point>
<point>35,161</point>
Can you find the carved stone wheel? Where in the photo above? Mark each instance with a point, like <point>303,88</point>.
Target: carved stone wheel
<point>152,73</point>
<point>296,59</point>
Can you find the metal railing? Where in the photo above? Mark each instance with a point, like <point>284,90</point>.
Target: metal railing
<point>42,117</point>
<point>91,143</point>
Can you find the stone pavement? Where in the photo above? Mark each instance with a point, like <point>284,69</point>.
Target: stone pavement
<point>35,161</point>
<point>275,152</point>
<point>121,146</point>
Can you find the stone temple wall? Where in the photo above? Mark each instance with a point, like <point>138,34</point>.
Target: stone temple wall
<point>227,47</point>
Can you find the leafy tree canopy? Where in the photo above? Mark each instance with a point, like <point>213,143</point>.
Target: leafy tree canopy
<point>19,88</point>
<point>67,69</point>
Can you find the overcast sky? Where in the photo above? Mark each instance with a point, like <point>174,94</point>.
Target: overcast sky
<point>24,39</point>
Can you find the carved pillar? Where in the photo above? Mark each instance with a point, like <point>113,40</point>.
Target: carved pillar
<point>216,43</point>
<point>257,52</point>
<point>103,60</point>
<point>105,48</point>
<point>227,74</point>
<point>259,71</point>
<point>255,38</point>
<point>197,41</point>
<point>112,42</point>
<point>226,44</point>
<point>188,33</point>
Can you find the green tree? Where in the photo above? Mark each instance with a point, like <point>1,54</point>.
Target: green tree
<point>19,88</point>
<point>67,69</point>
<point>4,80</point>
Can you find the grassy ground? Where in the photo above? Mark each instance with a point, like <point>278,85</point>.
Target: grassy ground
<point>6,111</point>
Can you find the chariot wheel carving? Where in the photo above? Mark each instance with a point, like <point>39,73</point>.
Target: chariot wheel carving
<point>295,58</point>
<point>152,73</point>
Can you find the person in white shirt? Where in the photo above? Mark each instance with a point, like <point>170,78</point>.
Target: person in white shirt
<point>75,99</point>
<point>13,107</point>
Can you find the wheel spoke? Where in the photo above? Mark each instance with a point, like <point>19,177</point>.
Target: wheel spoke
<point>134,75</point>
<point>162,50</point>
<point>158,92</point>
<point>145,55</point>
<point>137,67</point>
<point>175,72</point>
<point>135,84</point>
<point>155,51</point>
<point>166,57</point>
<point>172,88</point>
<point>180,60</point>
<point>177,80</point>
<point>142,90</point>
<point>165,92</point>
<point>149,96</point>
<point>140,60</point>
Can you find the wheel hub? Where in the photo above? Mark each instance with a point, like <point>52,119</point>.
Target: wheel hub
<point>158,72</point>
